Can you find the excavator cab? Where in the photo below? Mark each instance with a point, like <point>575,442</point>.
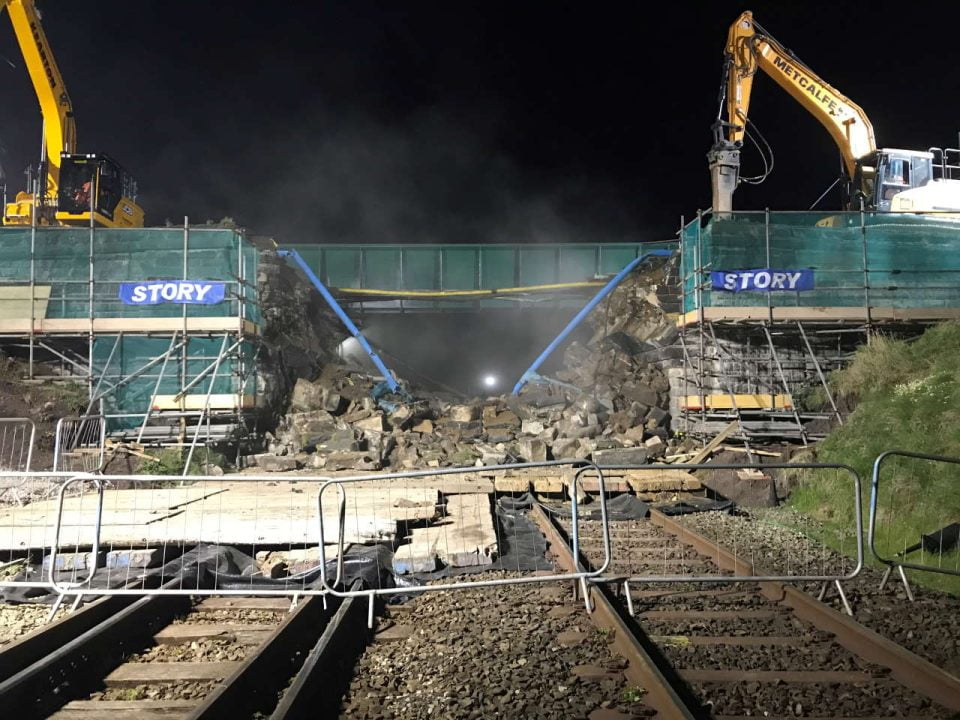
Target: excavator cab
<point>93,183</point>
<point>883,175</point>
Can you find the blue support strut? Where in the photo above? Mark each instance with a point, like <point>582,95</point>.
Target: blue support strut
<point>531,372</point>
<point>335,306</point>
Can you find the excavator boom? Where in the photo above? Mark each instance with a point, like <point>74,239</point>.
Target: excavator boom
<point>747,51</point>
<point>877,179</point>
<point>77,189</point>
<point>59,128</point>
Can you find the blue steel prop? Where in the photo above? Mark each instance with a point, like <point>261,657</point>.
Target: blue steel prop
<point>531,373</point>
<point>335,306</point>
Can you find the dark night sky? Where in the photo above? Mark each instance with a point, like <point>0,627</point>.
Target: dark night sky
<point>457,122</point>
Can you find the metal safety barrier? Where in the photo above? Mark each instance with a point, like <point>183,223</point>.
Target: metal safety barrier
<point>17,437</point>
<point>28,526</point>
<point>150,526</point>
<point>644,557</point>
<point>910,527</point>
<point>448,518</point>
<point>79,444</point>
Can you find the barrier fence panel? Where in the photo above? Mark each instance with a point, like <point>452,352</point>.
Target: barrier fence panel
<point>17,436</point>
<point>915,514</point>
<point>214,535</point>
<point>446,525</point>
<point>644,553</point>
<point>79,444</point>
<point>28,525</point>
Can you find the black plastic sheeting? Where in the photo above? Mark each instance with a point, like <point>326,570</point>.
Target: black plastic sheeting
<point>225,568</point>
<point>621,507</point>
<point>687,508</point>
<point>942,540</point>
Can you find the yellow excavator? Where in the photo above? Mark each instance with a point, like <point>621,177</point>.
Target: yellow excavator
<point>71,188</point>
<point>884,180</point>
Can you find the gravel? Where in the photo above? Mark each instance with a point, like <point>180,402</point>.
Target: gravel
<point>930,627</point>
<point>490,653</point>
<point>181,690</point>
<point>208,650</point>
<point>17,620</point>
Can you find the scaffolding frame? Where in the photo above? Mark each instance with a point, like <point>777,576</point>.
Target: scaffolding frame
<point>802,345</point>
<point>69,343</point>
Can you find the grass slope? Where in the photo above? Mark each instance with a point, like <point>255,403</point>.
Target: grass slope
<point>908,399</point>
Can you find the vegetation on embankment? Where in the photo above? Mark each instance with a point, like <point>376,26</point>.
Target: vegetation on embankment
<point>907,397</point>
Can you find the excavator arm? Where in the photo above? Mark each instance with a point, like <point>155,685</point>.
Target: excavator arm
<point>749,49</point>
<point>78,189</point>
<point>59,128</point>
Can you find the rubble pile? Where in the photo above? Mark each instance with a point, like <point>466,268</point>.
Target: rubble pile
<point>609,404</point>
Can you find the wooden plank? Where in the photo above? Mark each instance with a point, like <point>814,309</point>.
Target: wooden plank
<point>739,640</point>
<point>15,301</point>
<point>709,614</point>
<point>125,709</point>
<point>723,401</point>
<point>754,451</point>
<point>661,480</point>
<point>881,313</point>
<point>217,401</point>
<point>244,603</point>
<point>182,634</point>
<point>133,674</point>
<point>840,677</point>
<point>73,326</point>
<point>715,443</point>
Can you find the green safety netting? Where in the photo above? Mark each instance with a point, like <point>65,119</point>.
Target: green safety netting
<point>61,260</point>
<point>875,259</point>
<point>115,361</point>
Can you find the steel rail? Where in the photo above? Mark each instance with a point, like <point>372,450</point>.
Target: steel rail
<point>255,685</point>
<point>641,669</point>
<point>315,691</point>
<point>40,688</point>
<point>909,669</point>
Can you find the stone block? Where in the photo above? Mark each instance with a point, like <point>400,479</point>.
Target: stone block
<point>463,413</point>
<point>76,561</point>
<point>374,423</point>
<point>424,426</point>
<point>635,434</point>
<point>505,420</point>
<point>275,463</point>
<point>357,460</point>
<point>564,448</point>
<point>532,450</point>
<point>531,427</point>
<point>305,396</point>
<point>414,558</point>
<point>621,456</point>
<point>333,402</point>
<point>656,417</point>
<point>655,446</point>
<point>641,394</point>
<point>401,417</point>
<point>142,558</point>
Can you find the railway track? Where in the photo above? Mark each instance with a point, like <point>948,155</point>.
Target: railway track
<point>509,651</point>
<point>750,650</point>
<point>179,657</point>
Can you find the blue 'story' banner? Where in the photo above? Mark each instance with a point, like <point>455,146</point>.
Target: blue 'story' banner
<point>191,292</point>
<point>762,280</point>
